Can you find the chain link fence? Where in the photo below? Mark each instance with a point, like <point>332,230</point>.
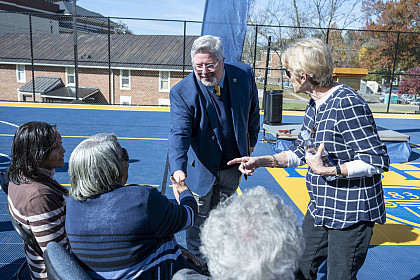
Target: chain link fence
<point>101,60</point>
<point>374,63</point>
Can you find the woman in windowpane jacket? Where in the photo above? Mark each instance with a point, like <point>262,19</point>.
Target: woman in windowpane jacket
<point>346,196</point>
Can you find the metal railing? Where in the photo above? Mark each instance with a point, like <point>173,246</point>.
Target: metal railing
<point>100,60</point>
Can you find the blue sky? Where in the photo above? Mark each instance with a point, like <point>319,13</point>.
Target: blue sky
<point>191,10</point>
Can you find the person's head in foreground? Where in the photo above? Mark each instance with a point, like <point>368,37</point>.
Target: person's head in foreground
<point>36,151</point>
<point>309,64</point>
<point>253,236</point>
<point>97,165</point>
<point>207,56</point>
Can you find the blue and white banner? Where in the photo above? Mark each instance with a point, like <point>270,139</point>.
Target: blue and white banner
<point>228,20</point>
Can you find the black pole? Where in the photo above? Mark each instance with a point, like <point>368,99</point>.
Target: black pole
<point>266,70</point>
<point>109,61</point>
<point>184,52</point>
<point>32,55</point>
<point>255,47</point>
<point>393,71</point>
<point>76,70</point>
<point>165,175</point>
<point>281,77</point>
<point>328,35</point>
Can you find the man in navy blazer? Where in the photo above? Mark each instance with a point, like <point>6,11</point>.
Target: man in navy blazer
<point>214,118</point>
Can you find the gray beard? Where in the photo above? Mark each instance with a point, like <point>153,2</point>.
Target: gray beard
<point>208,83</point>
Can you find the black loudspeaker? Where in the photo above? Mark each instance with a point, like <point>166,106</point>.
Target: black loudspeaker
<point>273,107</point>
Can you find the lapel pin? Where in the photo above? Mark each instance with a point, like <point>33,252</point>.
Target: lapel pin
<point>234,80</point>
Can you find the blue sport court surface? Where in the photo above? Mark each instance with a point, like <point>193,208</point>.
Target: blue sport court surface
<point>394,251</point>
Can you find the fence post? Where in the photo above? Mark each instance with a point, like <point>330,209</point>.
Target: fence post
<point>393,71</point>
<point>109,62</point>
<point>255,47</point>
<point>76,70</point>
<point>185,45</point>
<point>328,35</point>
<point>32,56</point>
<point>266,70</point>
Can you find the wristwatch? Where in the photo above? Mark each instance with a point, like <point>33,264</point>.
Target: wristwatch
<point>338,169</point>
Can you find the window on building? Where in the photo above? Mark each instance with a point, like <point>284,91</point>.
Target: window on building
<point>20,73</point>
<point>164,77</point>
<point>125,79</point>
<point>270,57</point>
<point>269,72</point>
<point>125,100</point>
<point>70,76</point>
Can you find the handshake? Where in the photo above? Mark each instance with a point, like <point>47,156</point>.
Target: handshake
<point>178,188</point>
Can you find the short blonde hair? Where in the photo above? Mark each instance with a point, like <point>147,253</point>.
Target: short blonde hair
<point>310,56</point>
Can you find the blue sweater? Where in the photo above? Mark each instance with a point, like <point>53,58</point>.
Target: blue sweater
<point>128,233</point>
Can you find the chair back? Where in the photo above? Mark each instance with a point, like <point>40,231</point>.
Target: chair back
<point>4,182</point>
<point>61,264</point>
<point>26,234</point>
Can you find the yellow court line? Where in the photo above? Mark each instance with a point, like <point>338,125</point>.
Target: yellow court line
<point>134,138</point>
<point>396,116</point>
<point>68,185</point>
<point>411,211</point>
<point>126,138</point>
<point>163,109</point>
<point>238,190</point>
<point>401,220</point>
<point>79,106</point>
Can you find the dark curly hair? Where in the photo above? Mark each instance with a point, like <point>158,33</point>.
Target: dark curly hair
<point>31,146</point>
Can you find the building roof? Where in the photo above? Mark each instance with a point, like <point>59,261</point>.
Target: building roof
<point>53,87</point>
<point>43,85</point>
<point>127,50</point>
<point>29,6</point>
<point>70,93</point>
<point>67,8</point>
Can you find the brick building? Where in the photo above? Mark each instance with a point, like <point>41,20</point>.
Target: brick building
<point>141,69</point>
<point>275,74</point>
<point>48,17</point>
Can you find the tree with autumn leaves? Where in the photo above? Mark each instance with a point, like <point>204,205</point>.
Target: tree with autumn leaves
<point>377,49</point>
<point>411,83</point>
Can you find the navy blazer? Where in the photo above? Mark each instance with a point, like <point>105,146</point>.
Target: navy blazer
<point>194,138</point>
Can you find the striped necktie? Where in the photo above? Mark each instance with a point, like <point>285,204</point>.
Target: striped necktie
<point>217,90</point>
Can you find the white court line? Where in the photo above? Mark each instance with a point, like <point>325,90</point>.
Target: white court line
<point>9,123</point>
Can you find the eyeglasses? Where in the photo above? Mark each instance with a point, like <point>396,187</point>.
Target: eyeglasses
<point>124,155</point>
<point>288,74</point>
<point>209,67</point>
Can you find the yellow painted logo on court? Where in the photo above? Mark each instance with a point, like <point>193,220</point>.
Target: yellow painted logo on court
<point>402,201</point>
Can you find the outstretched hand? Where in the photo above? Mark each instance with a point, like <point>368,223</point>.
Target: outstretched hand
<point>179,176</point>
<point>247,165</point>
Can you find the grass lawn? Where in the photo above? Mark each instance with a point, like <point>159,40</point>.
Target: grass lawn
<point>290,95</point>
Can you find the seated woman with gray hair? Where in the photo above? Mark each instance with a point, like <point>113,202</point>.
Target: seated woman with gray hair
<point>118,231</point>
<point>253,236</point>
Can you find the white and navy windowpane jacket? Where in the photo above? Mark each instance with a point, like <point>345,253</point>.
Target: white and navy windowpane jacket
<point>344,123</point>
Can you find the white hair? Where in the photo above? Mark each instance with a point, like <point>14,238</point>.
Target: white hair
<point>253,236</point>
<point>95,166</point>
<point>208,44</point>
<point>310,56</point>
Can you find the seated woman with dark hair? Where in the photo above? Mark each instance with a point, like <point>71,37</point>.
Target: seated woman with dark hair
<point>118,231</point>
<point>35,199</point>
